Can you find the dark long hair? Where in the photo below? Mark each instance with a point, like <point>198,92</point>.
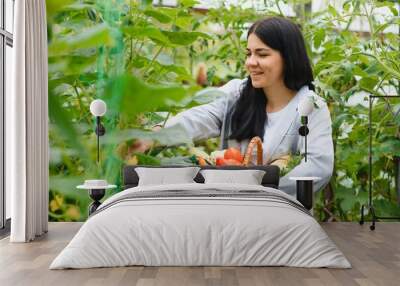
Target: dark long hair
<point>249,114</point>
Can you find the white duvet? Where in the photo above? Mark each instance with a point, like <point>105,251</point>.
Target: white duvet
<point>183,231</point>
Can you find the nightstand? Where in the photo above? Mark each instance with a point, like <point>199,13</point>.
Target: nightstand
<point>97,190</point>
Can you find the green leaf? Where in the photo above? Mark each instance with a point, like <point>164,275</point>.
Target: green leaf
<point>149,32</point>
<point>346,5</point>
<point>159,16</point>
<point>177,161</point>
<point>72,64</point>
<point>140,61</point>
<point>67,185</point>
<point>86,79</point>
<point>386,208</point>
<point>391,5</point>
<point>333,54</point>
<point>145,3</point>
<point>54,6</point>
<point>390,147</point>
<point>339,120</point>
<point>127,94</point>
<point>78,6</point>
<point>332,10</point>
<point>88,38</point>
<point>347,198</point>
<point>184,22</point>
<point>63,121</point>
<point>147,160</point>
<point>167,136</point>
<point>319,37</point>
<point>188,3</point>
<point>394,11</point>
<point>368,83</point>
<point>382,27</point>
<point>358,71</point>
<point>184,38</point>
<point>112,163</point>
<point>207,95</point>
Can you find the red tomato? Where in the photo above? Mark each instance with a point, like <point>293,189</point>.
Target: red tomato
<point>227,162</point>
<point>234,154</point>
<point>232,162</point>
<point>219,161</point>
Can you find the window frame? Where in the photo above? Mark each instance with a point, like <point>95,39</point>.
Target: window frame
<point>6,39</point>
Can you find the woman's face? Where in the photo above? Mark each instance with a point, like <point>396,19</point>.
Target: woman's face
<point>264,64</point>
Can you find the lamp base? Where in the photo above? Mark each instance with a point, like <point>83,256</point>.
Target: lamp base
<point>304,193</point>
<point>304,190</point>
<point>96,195</point>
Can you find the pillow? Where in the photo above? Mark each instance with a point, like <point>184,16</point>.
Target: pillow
<point>248,177</point>
<point>166,176</point>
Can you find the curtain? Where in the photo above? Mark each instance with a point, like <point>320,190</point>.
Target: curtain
<point>27,121</point>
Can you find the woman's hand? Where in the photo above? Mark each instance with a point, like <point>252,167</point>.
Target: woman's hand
<point>281,162</point>
<point>142,145</point>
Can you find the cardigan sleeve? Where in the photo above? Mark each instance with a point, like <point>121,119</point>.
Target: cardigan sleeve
<point>320,154</point>
<point>205,121</point>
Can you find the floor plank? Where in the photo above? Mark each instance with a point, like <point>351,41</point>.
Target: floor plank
<point>374,255</point>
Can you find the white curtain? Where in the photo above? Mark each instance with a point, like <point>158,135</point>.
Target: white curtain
<point>27,124</point>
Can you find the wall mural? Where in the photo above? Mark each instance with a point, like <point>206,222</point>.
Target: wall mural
<point>150,62</point>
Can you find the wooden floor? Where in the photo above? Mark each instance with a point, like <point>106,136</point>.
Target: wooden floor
<point>374,255</point>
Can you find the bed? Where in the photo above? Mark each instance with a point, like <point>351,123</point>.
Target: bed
<point>201,224</point>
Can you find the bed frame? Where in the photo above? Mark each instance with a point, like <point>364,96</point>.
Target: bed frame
<point>270,179</point>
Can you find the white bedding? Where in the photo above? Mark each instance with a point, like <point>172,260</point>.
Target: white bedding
<point>183,231</point>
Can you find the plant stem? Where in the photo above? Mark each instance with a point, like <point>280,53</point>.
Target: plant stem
<point>79,100</point>
<point>80,105</point>
<point>279,8</point>
<point>166,118</point>
<point>357,6</point>
<point>140,48</point>
<point>152,60</point>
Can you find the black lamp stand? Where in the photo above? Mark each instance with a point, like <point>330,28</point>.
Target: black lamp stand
<point>97,194</point>
<point>100,131</point>
<point>304,187</point>
<point>303,131</point>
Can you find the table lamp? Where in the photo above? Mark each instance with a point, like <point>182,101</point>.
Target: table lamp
<point>304,185</point>
<point>98,108</point>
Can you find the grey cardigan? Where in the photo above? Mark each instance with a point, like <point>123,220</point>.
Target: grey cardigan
<point>214,119</point>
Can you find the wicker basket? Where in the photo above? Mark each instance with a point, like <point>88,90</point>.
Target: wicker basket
<point>254,142</point>
<point>281,162</point>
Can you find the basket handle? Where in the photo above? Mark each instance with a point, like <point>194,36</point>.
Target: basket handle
<point>255,141</point>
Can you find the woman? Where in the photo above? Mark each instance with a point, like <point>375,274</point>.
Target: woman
<point>265,104</point>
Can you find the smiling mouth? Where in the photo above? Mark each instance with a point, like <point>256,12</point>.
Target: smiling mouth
<point>256,73</point>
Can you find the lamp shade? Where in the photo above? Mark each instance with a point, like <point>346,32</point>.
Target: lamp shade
<point>306,106</point>
<point>98,107</point>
